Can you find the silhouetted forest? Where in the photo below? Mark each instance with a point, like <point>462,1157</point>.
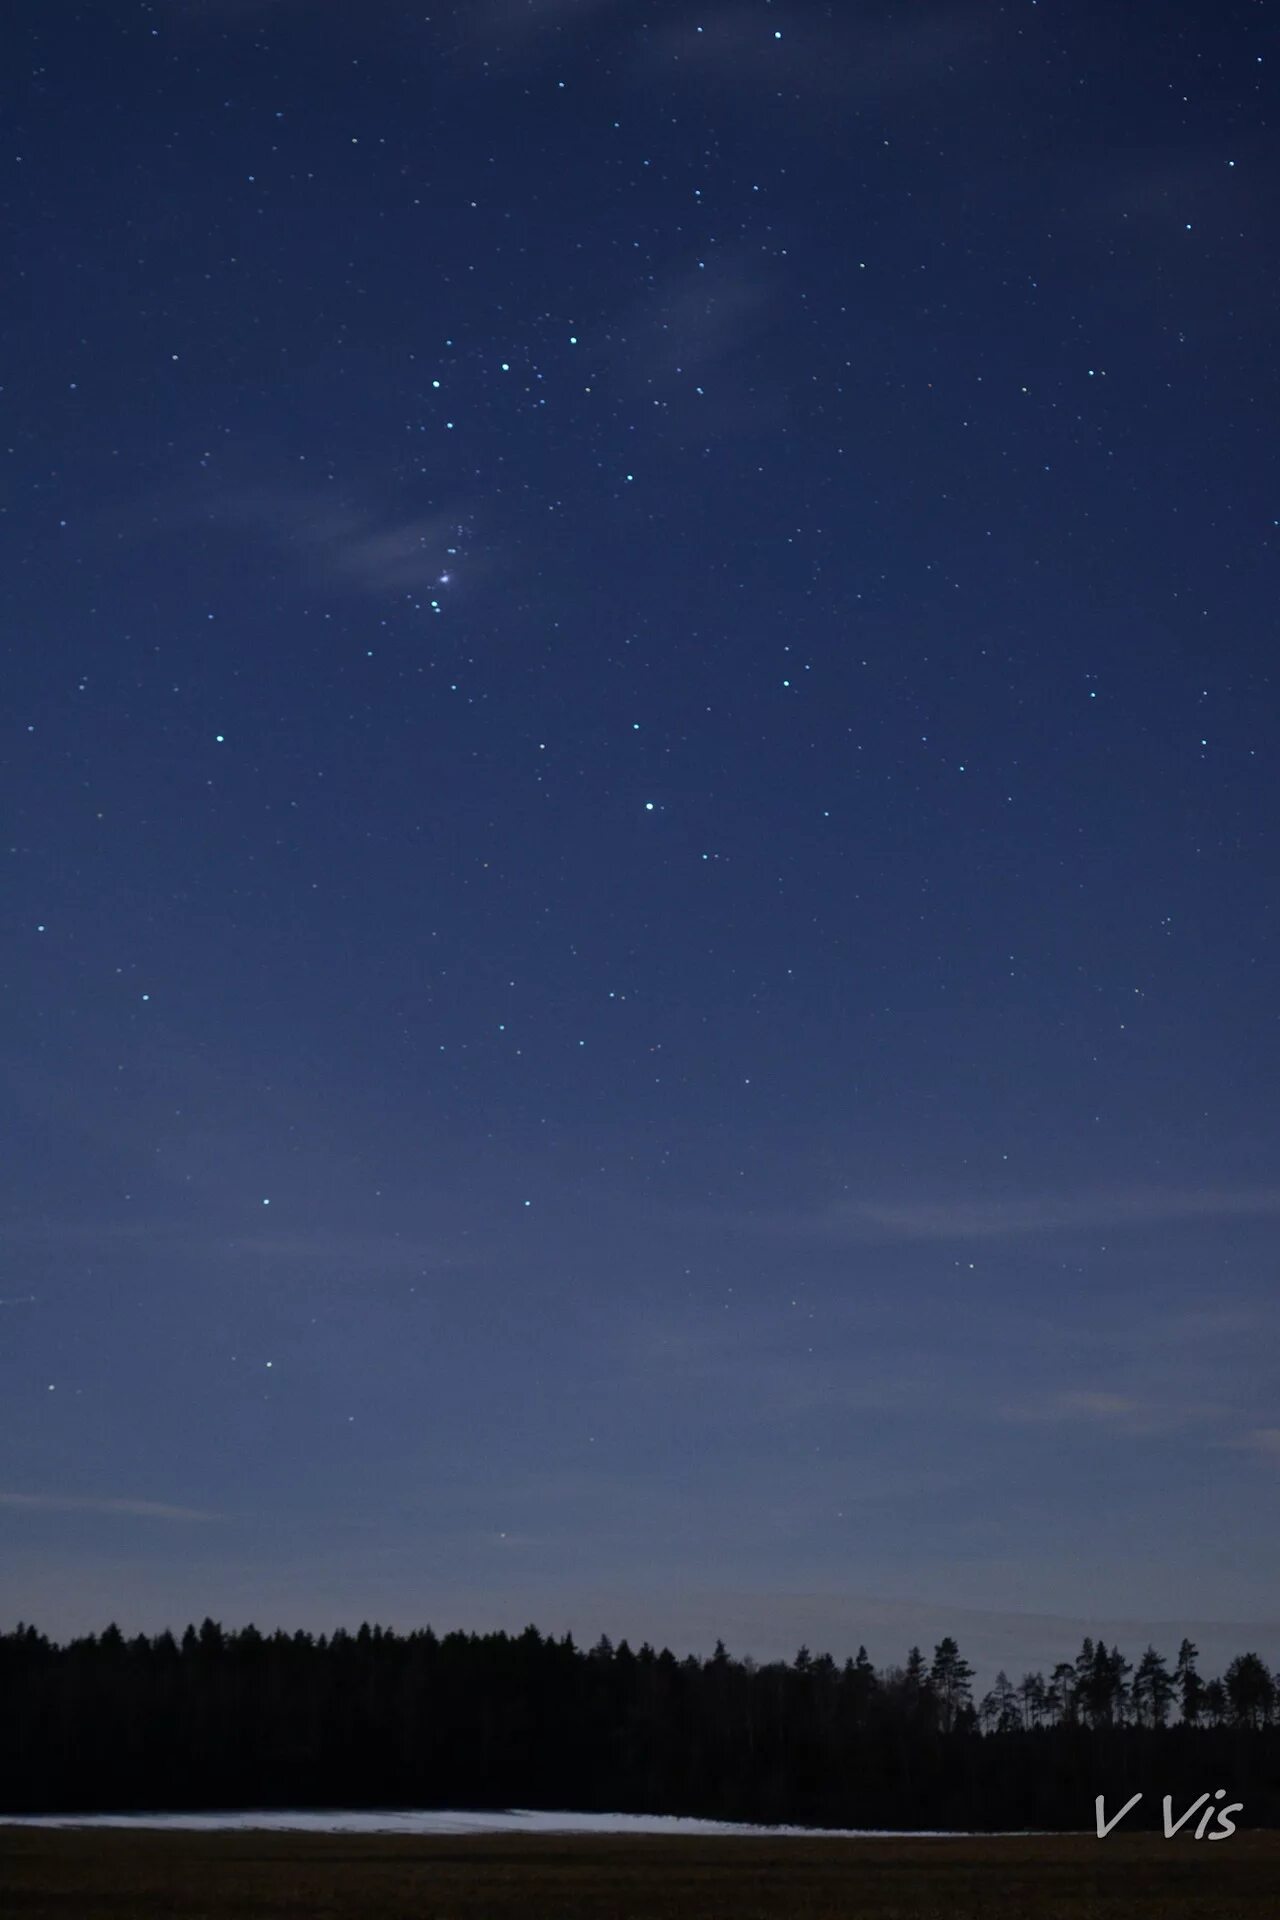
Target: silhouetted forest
<point>220,1720</point>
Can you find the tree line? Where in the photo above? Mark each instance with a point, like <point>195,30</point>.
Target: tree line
<point>235,1719</point>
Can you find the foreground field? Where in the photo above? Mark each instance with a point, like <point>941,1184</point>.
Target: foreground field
<point>106,1875</point>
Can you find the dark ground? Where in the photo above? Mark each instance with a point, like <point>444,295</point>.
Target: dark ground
<point>106,1875</point>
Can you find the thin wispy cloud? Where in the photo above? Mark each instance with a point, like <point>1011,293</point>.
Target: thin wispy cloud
<point>318,1248</point>
<point>1166,1410</point>
<point>350,541</point>
<point>134,1509</point>
<point>347,541</point>
<point>865,1222</point>
<point>1095,1404</point>
<point>1005,1218</point>
<point>680,1359</point>
<point>695,318</point>
<point>516,22</point>
<point>244,12</point>
<point>60,1233</point>
<point>687,349</point>
<point>1159,191</point>
<point>1091,1405</point>
<point>839,55</point>
<point>1262,1440</point>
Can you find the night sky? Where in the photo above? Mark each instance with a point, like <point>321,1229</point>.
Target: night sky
<point>640,800</point>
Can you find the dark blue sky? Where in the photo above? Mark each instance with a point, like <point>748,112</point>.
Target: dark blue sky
<point>641,789</point>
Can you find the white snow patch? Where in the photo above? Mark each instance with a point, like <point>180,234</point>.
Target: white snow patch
<point>516,1820</point>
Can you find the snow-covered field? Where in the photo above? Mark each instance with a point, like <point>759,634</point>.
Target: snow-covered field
<point>518,1820</point>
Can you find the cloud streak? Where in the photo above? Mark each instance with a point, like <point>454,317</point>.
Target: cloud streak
<point>866,1222</point>
<point>687,348</point>
<point>135,1509</point>
<point>841,57</point>
<point>844,58</point>
<point>317,1246</point>
<point>1120,1413</point>
<point>216,12</point>
<point>1004,1219</point>
<point>1261,1440</point>
<point>347,542</point>
<point>519,21</point>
